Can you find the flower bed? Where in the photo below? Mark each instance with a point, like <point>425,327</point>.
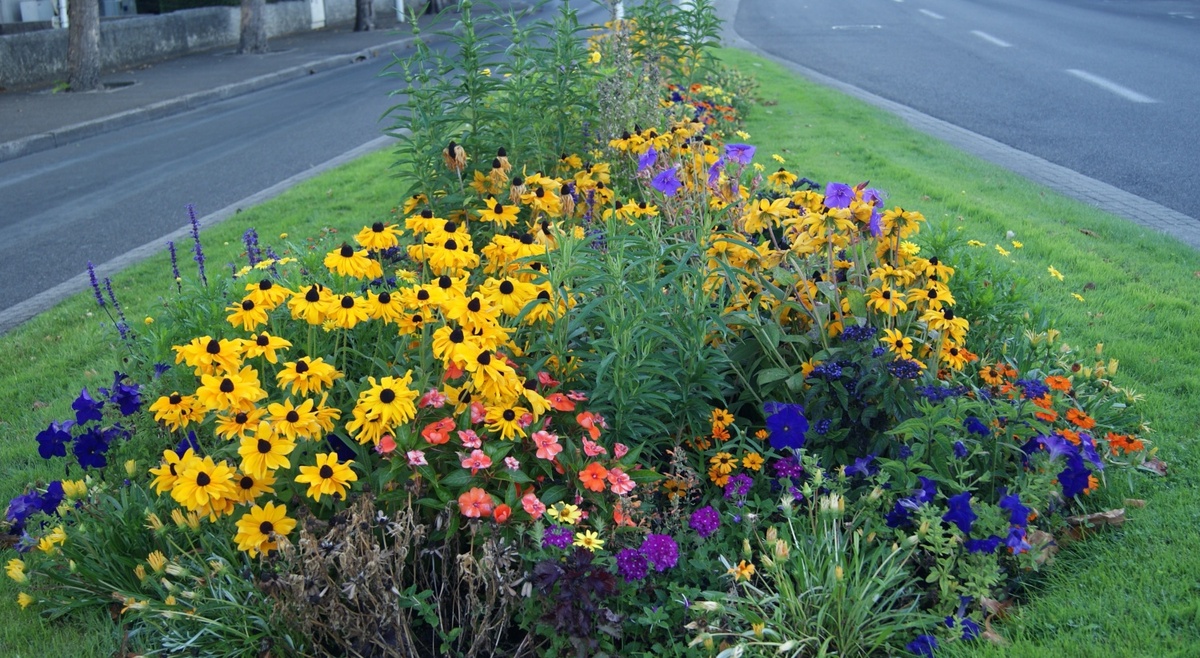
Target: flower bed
<point>623,391</point>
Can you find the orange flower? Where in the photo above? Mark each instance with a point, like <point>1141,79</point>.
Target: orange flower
<point>594,477</point>
<point>438,432</point>
<point>475,503</point>
<point>453,371</point>
<point>560,402</point>
<point>991,375</point>
<point>1048,416</point>
<point>1045,402</point>
<point>720,433</point>
<point>1093,484</point>
<point>502,513</point>
<point>1058,383</point>
<point>620,517</point>
<point>1080,419</point>
<point>1070,436</point>
<point>590,422</point>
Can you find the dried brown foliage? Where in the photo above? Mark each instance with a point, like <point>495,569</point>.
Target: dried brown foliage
<point>365,584</point>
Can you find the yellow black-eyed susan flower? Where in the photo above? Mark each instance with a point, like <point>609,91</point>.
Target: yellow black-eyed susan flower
<point>265,451</point>
<point>305,376</point>
<point>328,477</point>
<point>260,528</point>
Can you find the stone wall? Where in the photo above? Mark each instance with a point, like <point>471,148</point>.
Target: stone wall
<point>40,57</point>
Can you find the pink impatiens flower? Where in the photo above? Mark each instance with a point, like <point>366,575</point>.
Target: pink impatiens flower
<point>386,445</point>
<point>532,505</point>
<point>433,398</point>
<point>593,449</point>
<point>470,439</point>
<point>476,460</point>
<point>511,463</point>
<point>620,450</point>
<point>620,482</point>
<point>416,458</point>
<point>547,444</point>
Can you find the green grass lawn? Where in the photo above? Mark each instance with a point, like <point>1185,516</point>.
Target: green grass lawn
<point>1132,591</point>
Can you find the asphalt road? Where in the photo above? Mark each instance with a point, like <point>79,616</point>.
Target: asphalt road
<point>98,198</point>
<point>1108,88</point>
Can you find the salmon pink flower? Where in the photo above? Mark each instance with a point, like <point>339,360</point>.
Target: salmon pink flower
<point>434,398</point>
<point>386,445</point>
<point>511,463</point>
<point>525,420</point>
<point>577,396</point>
<point>589,421</point>
<point>532,505</point>
<point>502,513</point>
<point>478,413</point>
<point>560,402</point>
<point>476,460</point>
<point>470,439</point>
<point>593,449</point>
<point>620,450</point>
<point>593,477</point>
<point>438,432</point>
<point>620,482</point>
<point>475,504</point>
<point>546,379</point>
<point>547,444</point>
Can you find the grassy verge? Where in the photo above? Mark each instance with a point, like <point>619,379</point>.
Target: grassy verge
<point>55,354</point>
<point>1132,591</point>
<point>1125,592</point>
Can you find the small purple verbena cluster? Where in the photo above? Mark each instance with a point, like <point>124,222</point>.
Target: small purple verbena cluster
<point>557,536</point>
<point>705,521</point>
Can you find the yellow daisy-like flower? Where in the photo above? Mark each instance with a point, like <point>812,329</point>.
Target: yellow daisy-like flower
<point>265,451</point>
<point>264,345</point>
<point>886,300</point>
<point>506,421</point>
<point>743,571</point>
<point>306,376</point>
<point>509,294</point>
<point>16,570</point>
<point>1054,273</point>
<point>954,357</point>
<point>723,462</point>
<point>1017,245</point>
<point>233,391</point>
<point>564,513</point>
<point>1001,250</point>
<point>50,542</point>
<point>721,418</point>
<point>391,399</point>
<point>976,243</point>
<point>203,483</point>
<point>354,264</point>
<point>753,461</point>
<point>471,312</point>
<point>498,213</point>
<point>74,489</point>
<point>294,420</point>
<point>589,539</point>
<point>247,314</point>
<point>327,477</point>
<point>157,561</point>
<point>782,179</point>
<point>267,294</point>
<point>378,236</point>
<point>897,343</point>
<point>1077,296</point>
<point>346,311</point>
<point>208,355</point>
<point>177,411</point>
<point>167,474</point>
<point>249,487</point>
<point>933,296</point>
<point>24,600</point>
<point>260,529</point>
<point>309,304</point>
<point>384,306</point>
<point>238,424</point>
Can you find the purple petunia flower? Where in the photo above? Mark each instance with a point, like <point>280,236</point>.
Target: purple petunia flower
<point>667,182</point>
<point>988,545</point>
<point>557,536</point>
<point>52,441</point>
<point>786,425</point>
<point>647,160</point>
<point>127,397</point>
<point>960,513</point>
<point>21,508</point>
<point>1057,446</point>
<point>53,497</point>
<point>190,442</point>
<point>960,449</point>
<point>714,173</point>
<point>705,521</point>
<point>861,466</point>
<point>1088,446</point>
<point>1074,478</point>
<point>631,565</point>
<point>975,426</point>
<point>87,409</point>
<point>740,153</point>
<point>1018,513</point>
<point>90,447</point>
<point>1016,540</point>
<point>838,195</point>
<point>661,551</point>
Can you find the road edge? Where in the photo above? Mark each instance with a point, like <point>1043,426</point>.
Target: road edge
<point>1067,182</point>
<point>23,146</point>
<point>17,314</point>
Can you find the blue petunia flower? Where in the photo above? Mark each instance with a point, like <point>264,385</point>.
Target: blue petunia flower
<point>838,195</point>
<point>87,409</point>
<point>786,424</point>
<point>1018,513</point>
<point>1074,478</point>
<point>861,466</point>
<point>960,449</point>
<point>988,545</point>
<point>53,497</point>
<point>1016,540</point>
<point>976,426</point>
<point>52,441</point>
<point>667,182</point>
<point>90,448</point>
<point>1088,446</point>
<point>924,645</point>
<point>126,397</point>
<point>960,513</point>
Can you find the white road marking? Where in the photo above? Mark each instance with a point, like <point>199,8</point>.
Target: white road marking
<point>1109,85</point>
<point>1180,14</point>
<point>899,0</point>
<point>932,14</point>
<point>857,27</point>
<point>991,39</point>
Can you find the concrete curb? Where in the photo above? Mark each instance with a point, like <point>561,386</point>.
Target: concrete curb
<point>49,140</point>
<point>18,314</point>
<point>1067,182</point>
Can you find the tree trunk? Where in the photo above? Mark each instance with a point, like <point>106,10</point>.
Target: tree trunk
<point>364,15</point>
<point>254,27</point>
<point>83,45</point>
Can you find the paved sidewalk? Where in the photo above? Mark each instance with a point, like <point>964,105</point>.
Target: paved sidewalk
<point>37,120</point>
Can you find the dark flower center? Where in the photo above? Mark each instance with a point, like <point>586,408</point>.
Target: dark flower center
<point>509,415</point>
<point>313,295</point>
<point>948,313</point>
<point>246,482</point>
<point>213,347</point>
<point>377,227</point>
<point>347,302</point>
<point>501,152</point>
<point>456,336</point>
<point>202,480</point>
<point>618,205</point>
<point>326,472</point>
<point>262,340</point>
<point>227,385</point>
<point>543,295</point>
<point>175,398</point>
<point>247,305</point>
<point>423,295</point>
<point>426,214</point>
<point>473,305</point>
<point>495,163</point>
<point>444,282</point>
<point>517,181</point>
<point>265,284</point>
<point>887,294</point>
<point>264,446</point>
<point>417,319</point>
<point>484,358</point>
<point>506,288</point>
<point>387,395</point>
<point>292,416</point>
<point>451,245</point>
<point>241,418</point>
<point>301,366</point>
<point>266,528</point>
<point>933,293</point>
<point>450,227</point>
<point>347,251</point>
<point>540,193</point>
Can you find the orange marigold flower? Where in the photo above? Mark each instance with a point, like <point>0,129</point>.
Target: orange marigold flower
<point>1045,402</point>
<point>720,433</point>
<point>475,503</point>
<point>1073,437</point>
<point>594,477</point>
<point>1058,383</point>
<point>1080,419</point>
<point>1048,416</point>
<point>762,434</point>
